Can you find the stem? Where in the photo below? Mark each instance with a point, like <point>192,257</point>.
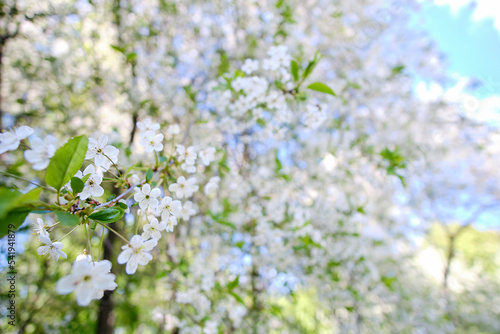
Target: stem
<point>100,245</point>
<point>118,234</point>
<point>33,183</point>
<point>116,199</point>
<point>88,241</point>
<point>77,226</point>
<point>120,174</point>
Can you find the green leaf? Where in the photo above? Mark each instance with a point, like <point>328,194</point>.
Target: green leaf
<point>149,175</point>
<point>238,298</point>
<point>122,205</point>
<point>15,207</point>
<point>294,69</point>
<point>233,284</point>
<point>108,215</point>
<point>8,199</point>
<point>311,65</point>
<point>131,57</point>
<point>111,197</point>
<point>321,87</point>
<point>77,185</point>
<point>118,48</point>
<point>85,178</point>
<point>67,218</point>
<point>66,162</point>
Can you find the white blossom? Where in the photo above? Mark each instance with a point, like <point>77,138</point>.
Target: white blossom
<point>147,197</point>
<point>88,280</point>
<point>171,221</point>
<point>152,142</point>
<point>10,140</point>
<point>52,249</point>
<point>169,207</point>
<point>188,210</point>
<point>212,186</point>
<point>186,154</point>
<point>147,125</point>
<point>104,155</point>
<point>136,253</point>
<point>41,151</point>
<point>39,227</point>
<point>184,188</point>
<point>92,186</point>
<point>153,230</point>
<point>250,66</point>
<point>207,155</point>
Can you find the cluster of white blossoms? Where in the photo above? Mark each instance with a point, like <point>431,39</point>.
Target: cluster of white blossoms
<point>258,107</point>
<point>159,207</point>
<point>149,138</point>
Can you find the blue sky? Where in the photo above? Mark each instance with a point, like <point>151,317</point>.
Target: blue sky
<point>468,33</point>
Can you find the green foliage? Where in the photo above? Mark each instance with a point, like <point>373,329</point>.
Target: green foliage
<point>66,162</point>
<point>108,215</point>
<point>15,207</point>
<point>149,175</point>
<point>77,185</point>
<point>396,161</point>
<point>321,87</point>
<point>294,69</point>
<point>67,218</point>
<point>233,284</point>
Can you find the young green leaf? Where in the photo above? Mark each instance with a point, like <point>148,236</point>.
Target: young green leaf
<point>294,69</point>
<point>110,197</point>
<point>233,284</point>
<point>122,205</point>
<point>108,215</point>
<point>66,162</point>
<point>149,175</point>
<point>238,298</point>
<point>321,87</point>
<point>67,218</point>
<point>77,185</point>
<point>85,178</point>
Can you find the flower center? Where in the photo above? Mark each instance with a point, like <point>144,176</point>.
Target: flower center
<point>86,278</point>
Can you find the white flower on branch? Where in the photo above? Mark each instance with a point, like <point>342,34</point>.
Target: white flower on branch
<point>104,155</point>
<point>153,230</point>
<point>10,140</point>
<point>183,187</point>
<point>207,155</point>
<point>136,253</point>
<point>41,152</point>
<point>88,280</point>
<point>39,227</point>
<point>52,249</point>
<point>146,126</point>
<point>169,207</point>
<point>152,141</point>
<point>92,185</point>
<point>147,197</point>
